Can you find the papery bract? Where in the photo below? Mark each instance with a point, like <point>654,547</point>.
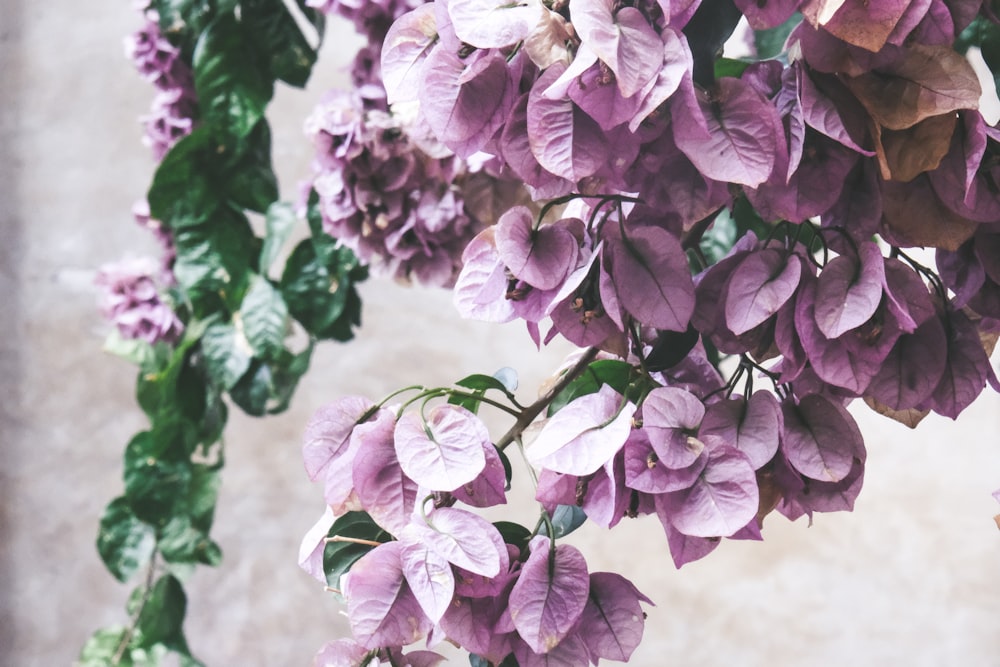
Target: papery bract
<point>382,488</point>
<point>821,439</point>
<point>966,370</point>
<point>481,287</point>
<point>913,369</point>
<point>462,538</point>
<point>488,24</point>
<point>722,500</point>
<point>585,434</point>
<point>430,578</point>
<point>565,140</point>
<point>849,290</point>
<point>550,594</point>
<point>542,256</point>
<point>752,426</point>
<point>340,653</point>
<point>445,451</point>
<point>329,430</point>
<point>465,101</point>
<point>683,548</point>
<point>651,276</point>
<point>734,137</point>
<point>613,620</point>
<point>669,417</point>
<point>404,51</point>
<point>622,38</point>
<point>761,284</point>
<point>312,546</point>
<point>380,605</point>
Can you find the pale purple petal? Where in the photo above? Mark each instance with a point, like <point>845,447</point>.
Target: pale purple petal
<point>382,488</point>
<point>381,607</point>
<point>329,430</point>
<point>761,284</point>
<point>462,538</point>
<point>723,499</point>
<point>849,290</point>
<point>584,435</point>
<point>613,621</point>
<point>312,547</point>
<point>550,594</point>
<point>445,451</point>
<point>430,578</point>
<point>752,426</point>
<point>821,439</point>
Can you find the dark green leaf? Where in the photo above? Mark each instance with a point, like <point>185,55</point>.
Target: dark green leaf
<point>286,372</point>
<point>227,358</point>
<point>565,519</point>
<point>265,317</point>
<point>214,260</point>
<point>182,542</point>
<point>155,480</point>
<point>730,67</point>
<point>719,238</point>
<point>322,299</point>
<point>338,557</point>
<point>280,223</point>
<point>254,389</point>
<point>513,533</point>
<point>124,542</point>
<point>606,371</point>
<point>771,42</point>
<point>249,178</point>
<point>186,188</point>
<point>274,30</point>
<point>748,220</point>
<point>231,82</point>
<point>162,615</point>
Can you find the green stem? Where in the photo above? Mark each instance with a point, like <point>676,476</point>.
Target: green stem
<point>127,638</point>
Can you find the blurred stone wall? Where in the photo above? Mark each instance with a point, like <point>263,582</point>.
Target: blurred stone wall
<point>911,577</point>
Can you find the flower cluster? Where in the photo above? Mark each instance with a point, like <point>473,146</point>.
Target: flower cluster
<point>159,62</point>
<point>131,300</point>
<point>446,571</point>
<point>828,164</point>
<point>384,197</point>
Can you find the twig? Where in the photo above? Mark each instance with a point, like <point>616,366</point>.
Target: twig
<point>535,409</point>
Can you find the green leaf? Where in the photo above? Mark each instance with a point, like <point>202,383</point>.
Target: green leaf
<point>231,82</point>
<point>267,387</point>
<point>565,519</point>
<point>249,177</point>
<point>611,372</point>
<point>227,354</point>
<point>162,615</point>
<point>155,481</point>
<point>338,557</point>
<point>214,261</point>
<point>280,223</point>
<point>186,187</point>
<point>265,317</point>
<point>273,29</point>
<point>504,380</point>
<point>513,533</point>
<point>102,647</point>
<point>320,294</point>
<point>730,67</point>
<point>771,42</point>
<point>140,352</point>
<point>719,238</point>
<point>124,543</point>
<point>184,539</point>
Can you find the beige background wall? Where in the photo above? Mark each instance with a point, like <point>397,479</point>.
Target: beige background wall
<point>912,577</point>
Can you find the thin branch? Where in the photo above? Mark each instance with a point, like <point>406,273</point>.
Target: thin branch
<point>532,411</point>
<point>127,637</point>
